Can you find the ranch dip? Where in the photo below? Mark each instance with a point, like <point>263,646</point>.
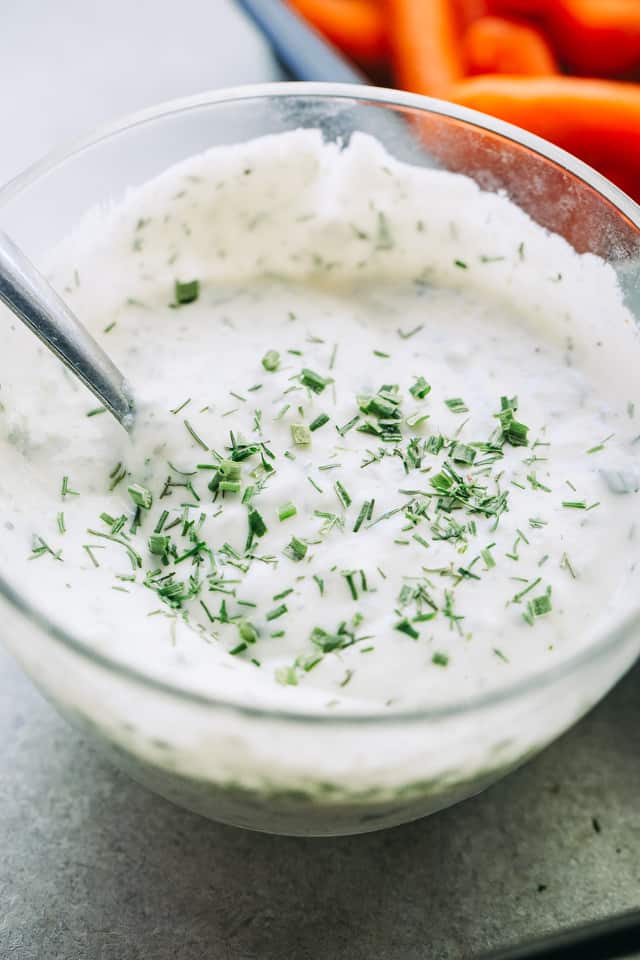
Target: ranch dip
<point>386,441</point>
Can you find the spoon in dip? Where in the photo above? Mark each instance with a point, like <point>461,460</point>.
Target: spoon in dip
<point>32,298</point>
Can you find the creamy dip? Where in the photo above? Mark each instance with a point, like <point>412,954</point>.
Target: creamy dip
<point>384,451</point>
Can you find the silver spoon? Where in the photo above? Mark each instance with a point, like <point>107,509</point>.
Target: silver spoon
<point>32,298</point>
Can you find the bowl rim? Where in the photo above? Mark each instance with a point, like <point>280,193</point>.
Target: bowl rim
<point>598,649</point>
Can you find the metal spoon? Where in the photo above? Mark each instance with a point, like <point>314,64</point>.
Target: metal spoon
<point>32,298</point>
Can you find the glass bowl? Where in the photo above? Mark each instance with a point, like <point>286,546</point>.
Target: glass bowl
<point>278,771</point>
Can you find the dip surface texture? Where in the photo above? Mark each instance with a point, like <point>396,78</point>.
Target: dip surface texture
<point>384,452</point>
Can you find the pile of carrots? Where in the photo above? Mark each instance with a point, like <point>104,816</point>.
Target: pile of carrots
<point>564,69</point>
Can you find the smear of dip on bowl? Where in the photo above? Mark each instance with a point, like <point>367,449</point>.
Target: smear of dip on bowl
<point>385,452</point>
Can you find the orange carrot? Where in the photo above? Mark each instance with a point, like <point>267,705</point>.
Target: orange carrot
<point>597,120</point>
<point>356,26</point>
<point>597,37</point>
<point>425,45</point>
<point>524,8</point>
<point>470,10</point>
<point>593,37</point>
<point>498,45</point>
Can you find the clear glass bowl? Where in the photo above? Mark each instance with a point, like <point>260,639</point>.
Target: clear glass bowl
<point>278,771</point>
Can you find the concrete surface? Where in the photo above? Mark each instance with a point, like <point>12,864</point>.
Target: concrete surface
<point>94,868</point>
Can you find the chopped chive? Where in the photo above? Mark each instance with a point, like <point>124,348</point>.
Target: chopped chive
<point>456,405</point>
<point>404,626</point>
<point>287,510</point>
<point>462,453</point>
<point>300,434</point>
<point>271,361</point>
<point>141,496</point>
<point>184,404</point>
<point>440,659</point>
<point>420,389</point>
<point>405,335</point>
<point>314,381</point>
<point>534,583</point>
<point>287,676</point>
<point>296,549</point>
<point>65,489</point>
<point>60,521</point>
<point>281,596</point>
<point>187,292</point>
<point>342,494</point>
<point>363,515</point>
<point>277,612</point>
<point>89,551</point>
<point>319,422</point>
<point>158,544</point>
<point>348,425</point>
<point>195,436</point>
<point>96,411</point>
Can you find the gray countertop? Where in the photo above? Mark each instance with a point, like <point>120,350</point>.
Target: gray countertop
<point>95,868</point>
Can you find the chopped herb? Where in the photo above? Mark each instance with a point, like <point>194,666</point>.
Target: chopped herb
<point>440,659</point>
<point>89,551</point>
<point>66,491</point>
<point>277,612</point>
<point>404,626</point>
<point>187,292</point>
<point>195,436</point>
<point>271,361</point>
<point>342,494</point>
<point>365,514</point>
<point>348,426</point>
<point>141,496</point>
<point>319,422</point>
<point>410,333</point>
<point>420,389</point>
<point>314,381</point>
<point>601,445</point>
<point>462,453</point>
<point>286,511</point>
<point>296,549</point>
<point>300,434</point>
<point>287,676</point>
<point>457,405</point>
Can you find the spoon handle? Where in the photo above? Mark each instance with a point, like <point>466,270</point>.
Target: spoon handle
<point>32,298</point>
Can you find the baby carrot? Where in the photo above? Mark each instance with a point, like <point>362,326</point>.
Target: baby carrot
<point>597,120</point>
<point>597,37</point>
<point>356,26</point>
<point>469,10</point>
<point>425,45</point>
<point>524,8</point>
<point>498,45</point>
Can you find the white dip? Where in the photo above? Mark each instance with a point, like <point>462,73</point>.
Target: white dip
<point>388,525</point>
